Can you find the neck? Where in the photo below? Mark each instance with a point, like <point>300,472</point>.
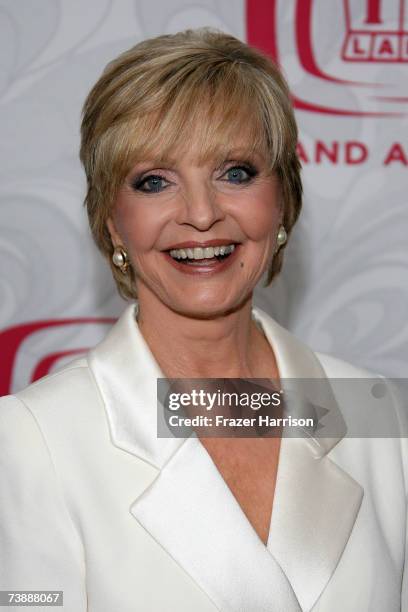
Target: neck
<point>227,345</point>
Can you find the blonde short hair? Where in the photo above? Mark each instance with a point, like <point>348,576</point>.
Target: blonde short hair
<point>194,88</point>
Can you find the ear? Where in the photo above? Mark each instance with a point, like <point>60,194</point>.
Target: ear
<point>114,234</point>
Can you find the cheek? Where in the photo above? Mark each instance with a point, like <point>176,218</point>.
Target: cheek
<point>139,224</point>
<point>261,219</point>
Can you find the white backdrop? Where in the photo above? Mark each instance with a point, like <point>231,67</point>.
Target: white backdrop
<point>344,285</point>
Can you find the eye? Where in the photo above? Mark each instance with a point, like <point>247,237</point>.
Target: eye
<point>153,183</point>
<point>240,174</point>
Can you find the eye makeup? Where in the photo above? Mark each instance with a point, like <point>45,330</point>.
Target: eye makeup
<point>245,165</point>
<point>140,179</point>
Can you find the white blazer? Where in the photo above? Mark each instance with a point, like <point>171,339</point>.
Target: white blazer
<point>94,504</point>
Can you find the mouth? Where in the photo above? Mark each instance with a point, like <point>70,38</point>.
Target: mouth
<point>203,259</point>
<point>198,256</point>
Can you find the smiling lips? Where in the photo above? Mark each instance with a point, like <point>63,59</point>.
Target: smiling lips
<point>203,259</point>
<point>208,252</point>
<point>206,243</point>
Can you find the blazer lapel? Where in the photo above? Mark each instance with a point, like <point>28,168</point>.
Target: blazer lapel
<point>316,502</point>
<point>192,513</point>
<point>189,510</point>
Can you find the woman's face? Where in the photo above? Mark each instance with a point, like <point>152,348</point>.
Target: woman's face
<point>161,206</point>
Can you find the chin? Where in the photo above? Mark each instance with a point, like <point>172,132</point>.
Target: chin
<point>205,308</point>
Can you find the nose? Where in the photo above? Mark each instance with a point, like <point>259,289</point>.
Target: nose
<point>200,207</point>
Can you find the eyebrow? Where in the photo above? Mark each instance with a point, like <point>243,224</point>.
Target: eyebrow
<point>232,154</point>
<point>158,160</point>
<point>241,153</point>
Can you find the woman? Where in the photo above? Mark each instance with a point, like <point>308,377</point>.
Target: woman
<point>189,147</point>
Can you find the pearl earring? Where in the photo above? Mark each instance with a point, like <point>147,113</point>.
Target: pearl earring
<point>120,259</point>
<point>281,237</point>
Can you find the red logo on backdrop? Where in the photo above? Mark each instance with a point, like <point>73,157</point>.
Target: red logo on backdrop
<point>375,33</point>
<point>12,338</point>
<point>372,40</point>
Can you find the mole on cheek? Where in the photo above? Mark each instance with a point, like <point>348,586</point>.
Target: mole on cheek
<point>242,264</point>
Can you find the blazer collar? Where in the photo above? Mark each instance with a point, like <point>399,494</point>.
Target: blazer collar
<point>219,548</point>
<point>126,371</point>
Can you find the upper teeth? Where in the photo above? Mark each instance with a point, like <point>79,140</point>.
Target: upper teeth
<point>202,253</point>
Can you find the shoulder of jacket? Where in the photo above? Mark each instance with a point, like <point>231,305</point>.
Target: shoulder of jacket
<point>394,397</point>
<point>335,367</point>
<point>58,411</point>
<point>65,381</point>
<point>64,391</point>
